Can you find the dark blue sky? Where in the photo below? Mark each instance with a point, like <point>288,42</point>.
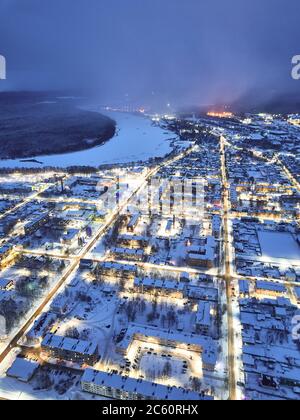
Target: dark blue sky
<point>185,51</point>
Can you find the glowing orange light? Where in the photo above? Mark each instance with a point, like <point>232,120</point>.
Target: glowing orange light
<point>220,114</point>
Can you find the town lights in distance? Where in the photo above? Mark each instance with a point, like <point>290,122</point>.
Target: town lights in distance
<point>220,114</point>
<point>296,67</point>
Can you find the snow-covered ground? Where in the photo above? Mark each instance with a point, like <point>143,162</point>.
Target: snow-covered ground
<point>136,139</point>
<point>278,245</point>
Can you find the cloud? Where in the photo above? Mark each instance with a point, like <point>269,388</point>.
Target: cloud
<point>187,51</point>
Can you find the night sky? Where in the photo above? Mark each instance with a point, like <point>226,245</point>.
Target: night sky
<point>180,51</point>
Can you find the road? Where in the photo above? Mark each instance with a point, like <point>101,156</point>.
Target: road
<point>228,274</point>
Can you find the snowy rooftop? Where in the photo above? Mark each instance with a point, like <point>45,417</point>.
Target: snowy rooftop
<point>159,284</point>
<point>22,369</point>
<point>145,388</point>
<point>117,266</point>
<point>203,316</point>
<point>205,345</point>
<point>127,251</point>
<point>270,286</point>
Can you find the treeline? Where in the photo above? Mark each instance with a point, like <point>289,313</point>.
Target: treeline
<point>31,171</point>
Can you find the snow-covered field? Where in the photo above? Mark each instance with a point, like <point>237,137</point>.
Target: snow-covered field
<point>278,245</point>
<point>136,139</point>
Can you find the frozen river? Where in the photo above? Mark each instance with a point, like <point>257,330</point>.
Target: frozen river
<point>136,139</point>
